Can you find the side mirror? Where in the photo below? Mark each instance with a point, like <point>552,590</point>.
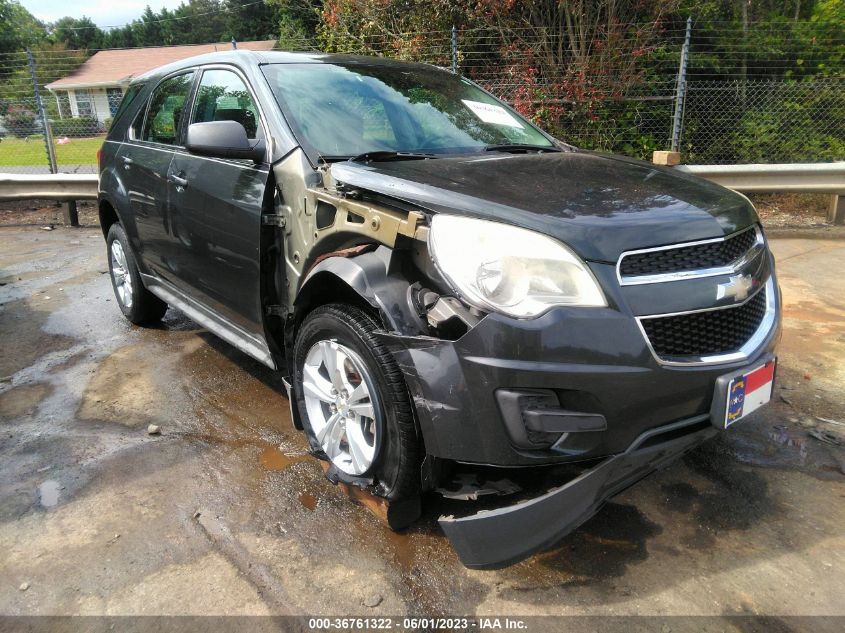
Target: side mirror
<point>223,139</point>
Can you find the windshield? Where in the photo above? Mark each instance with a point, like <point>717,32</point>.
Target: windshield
<point>343,110</point>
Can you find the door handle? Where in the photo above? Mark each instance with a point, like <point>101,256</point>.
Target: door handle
<point>127,162</point>
<point>180,182</point>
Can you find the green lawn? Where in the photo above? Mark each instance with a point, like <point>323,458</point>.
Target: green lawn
<point>23,152</point>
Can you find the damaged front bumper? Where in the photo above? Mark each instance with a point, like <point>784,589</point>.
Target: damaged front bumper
<point>575,384</point>
<point>497,538</point>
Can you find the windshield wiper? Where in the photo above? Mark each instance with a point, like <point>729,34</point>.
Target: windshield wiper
<point>384,155</point>
<point>521,147</point>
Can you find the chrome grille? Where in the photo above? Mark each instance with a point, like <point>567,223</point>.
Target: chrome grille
<point>706,332</point>
<point>706,255</point>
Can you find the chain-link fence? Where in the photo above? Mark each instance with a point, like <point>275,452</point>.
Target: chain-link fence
<point>765,121</point>
<point>714,94</point>
<point>43,129</point>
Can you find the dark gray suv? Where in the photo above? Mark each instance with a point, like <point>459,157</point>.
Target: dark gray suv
<point>445,287</point>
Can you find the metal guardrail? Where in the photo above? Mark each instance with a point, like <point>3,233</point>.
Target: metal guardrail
<point>64,187</point>
<point>788,178</point>
<point>48,186</point>
<point>785,178</point>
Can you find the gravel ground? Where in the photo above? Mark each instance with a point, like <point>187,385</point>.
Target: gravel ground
<point>223,512</point>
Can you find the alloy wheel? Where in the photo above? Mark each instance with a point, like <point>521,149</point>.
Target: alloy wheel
<point>342,406</point>
<point>120,274</point>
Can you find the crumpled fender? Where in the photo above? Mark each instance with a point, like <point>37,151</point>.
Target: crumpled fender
<point>376,277</point>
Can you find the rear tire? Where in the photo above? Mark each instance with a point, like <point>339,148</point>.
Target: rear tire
<point>137,303</point>
<point>360,419</point>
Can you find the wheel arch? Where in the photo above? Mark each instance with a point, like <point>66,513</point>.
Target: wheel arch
<point>108,215</point>
<point>371,281</point>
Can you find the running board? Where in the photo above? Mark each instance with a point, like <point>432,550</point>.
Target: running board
<point>216,324</point>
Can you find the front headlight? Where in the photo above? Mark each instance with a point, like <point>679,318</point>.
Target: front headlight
<point>507,269</point>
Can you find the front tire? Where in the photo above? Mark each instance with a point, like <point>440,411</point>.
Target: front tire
<point>353,401</point>
<point>137,303</point>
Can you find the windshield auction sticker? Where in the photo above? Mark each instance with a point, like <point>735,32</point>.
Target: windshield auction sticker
<point>491,113</point>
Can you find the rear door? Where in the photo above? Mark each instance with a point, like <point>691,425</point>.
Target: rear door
<point>145,159</point>
<point>215,206</point>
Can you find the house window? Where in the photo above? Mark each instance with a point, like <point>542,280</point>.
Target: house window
<point>63,104</point>
<point>114,95</point>
<point>84,105</point>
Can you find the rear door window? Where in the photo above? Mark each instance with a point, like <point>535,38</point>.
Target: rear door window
<point>223,96</point>
<point>122,103</point>
<point>166,111</point>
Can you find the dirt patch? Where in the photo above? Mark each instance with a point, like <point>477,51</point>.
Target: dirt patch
<point>45,213</point>
<point>792,209</point>
<point>126,388</point>
<point>146,597</point>
<point>224,380</point>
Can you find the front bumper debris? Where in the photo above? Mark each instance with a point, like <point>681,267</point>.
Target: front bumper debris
<point>497,538</point>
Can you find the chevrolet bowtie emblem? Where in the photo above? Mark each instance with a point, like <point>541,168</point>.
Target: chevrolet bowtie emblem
<point>737,287</point>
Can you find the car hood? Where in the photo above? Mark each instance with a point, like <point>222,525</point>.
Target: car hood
<point>598,204</point>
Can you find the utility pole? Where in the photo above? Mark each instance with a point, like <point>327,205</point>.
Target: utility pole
<point>681,90</point>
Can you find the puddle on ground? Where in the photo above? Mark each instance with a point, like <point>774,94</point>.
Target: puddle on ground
<point>48,493</point>
<point>70,361</point>
<point>23,399</point>
<point>271,458</point>
<point>30,341</point>
<point>309,501</point>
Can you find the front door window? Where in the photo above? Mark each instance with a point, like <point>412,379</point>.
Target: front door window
<point>223,96</point>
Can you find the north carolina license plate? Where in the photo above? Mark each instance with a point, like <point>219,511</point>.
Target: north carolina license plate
<point>749,392</point>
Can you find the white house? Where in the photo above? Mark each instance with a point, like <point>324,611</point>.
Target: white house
<point>96,87</point>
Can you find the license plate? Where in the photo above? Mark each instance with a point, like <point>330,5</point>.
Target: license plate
<point>749,392</point>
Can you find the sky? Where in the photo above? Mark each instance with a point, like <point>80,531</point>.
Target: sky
<point>103,12</point>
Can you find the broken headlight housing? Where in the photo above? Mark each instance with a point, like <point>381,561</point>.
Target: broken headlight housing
<point>503,268</point>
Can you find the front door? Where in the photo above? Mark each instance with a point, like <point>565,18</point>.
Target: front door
<point>215,208</point>
<point>146,158</point>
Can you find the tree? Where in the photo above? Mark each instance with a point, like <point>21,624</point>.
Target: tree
<point>19,29</point>
<point>148,30</point>
<point>248,20</point>
<point>204,21</point>
<point>766,39</point>
<point>554,59</point>
<point>297,22</point>
<point>394,26</point>
<point>121,37</point>
<point>77,33</point>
